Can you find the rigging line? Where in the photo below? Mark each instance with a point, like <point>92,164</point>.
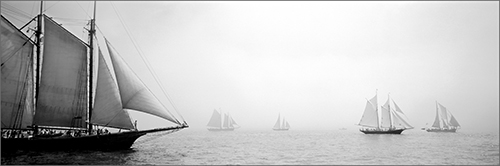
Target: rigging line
<point>14,9</point>
<point>51,6</point>
<point>147,64</point>
<point>145,61</point>
<point>83,10</point>
<point>14,13</point>
<point>14,53</point>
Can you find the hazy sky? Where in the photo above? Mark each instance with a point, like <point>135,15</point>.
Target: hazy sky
<point>313,62</point>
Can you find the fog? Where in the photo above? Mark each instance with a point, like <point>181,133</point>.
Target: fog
<point>315,63</point>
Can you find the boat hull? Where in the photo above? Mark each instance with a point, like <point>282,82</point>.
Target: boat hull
<point>115,141</point>
<point>280,129</point>
<point>442,130</point>
<point>225,129</point>
<point>106,142</point>
<point>398,131</point>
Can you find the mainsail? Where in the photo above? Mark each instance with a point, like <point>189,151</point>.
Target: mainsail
<point>370,115</point>
<point>17,77</point>
<point>215,120</point>
<point>62,97</point>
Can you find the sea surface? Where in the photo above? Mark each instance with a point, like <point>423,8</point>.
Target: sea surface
<point>239,147</point>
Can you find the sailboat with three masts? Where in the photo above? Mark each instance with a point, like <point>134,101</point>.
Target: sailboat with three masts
<point>281,126</point>
<point>389,119</point>
<point>215,123</point>
<point>56,88</point>
<point>444,121</point>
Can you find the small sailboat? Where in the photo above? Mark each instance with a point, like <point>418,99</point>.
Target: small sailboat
<point>281,126</point>
<point>444,122</point>
<point>56,89</point>
<point>215,123</point>
<point>389,120</point>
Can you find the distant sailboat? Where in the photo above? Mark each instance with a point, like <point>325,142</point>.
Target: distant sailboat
<point>444,122</point>
<point>278,126</point>
<point>215,123</point>
<point>390,120</point>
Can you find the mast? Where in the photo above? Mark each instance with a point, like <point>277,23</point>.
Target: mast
<point>389,108</point>
<point>91,66</point>
<point>376,110</point>
<point>37,34</point>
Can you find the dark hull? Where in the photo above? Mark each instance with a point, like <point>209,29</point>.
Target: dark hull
<point>442,130</point>
<point>227,129</point>
<point>113,141</point>
<point>398,131</point>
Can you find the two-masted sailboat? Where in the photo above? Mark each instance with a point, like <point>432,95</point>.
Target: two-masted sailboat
<point>215,123</point>
<point>281,126</point>
<point>389,120</point>
<point>55,88</point>
<point>444,122</point>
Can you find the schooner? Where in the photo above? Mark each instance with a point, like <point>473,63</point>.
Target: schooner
<point>216,122</point>
<point>389,119</point>
<point>444,121</point>
<point>49,83</point>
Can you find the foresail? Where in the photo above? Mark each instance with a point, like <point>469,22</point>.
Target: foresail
<point>226,121</point>
<point>287,126</point>
<point>17,77</point>
<point>277,124</point>
<point>400,121</point>
<point>62,98</point>
<point>283,125</point>
<point>232,121</point>
<point>108,110</point>
<point>215,120</point>
<point>134,94</point>
<point>401,115</point>
<point>454,122</point>
<point>369,118</point>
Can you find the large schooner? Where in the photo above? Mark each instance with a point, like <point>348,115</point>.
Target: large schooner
<point>53,87</point>
<point>444,122</point>
<point>389,120</point>
<point>215,123</point>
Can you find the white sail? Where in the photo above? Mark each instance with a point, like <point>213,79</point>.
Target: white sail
<point>444,118</point>
<point>62,98</point>
<point>399,118</point>
<point>134,94</point>
<point>370,117</point>
<point>215,120</point>
<point>277,124</point>
<point>226,121</point>
<point>437,121</point>
<point>454,122</point>
<point>283,125</point>
<point>17,77</point>
<point>232,122</point>
<point>108,110</point>
<point>287,126</point>
<point>385,115</point>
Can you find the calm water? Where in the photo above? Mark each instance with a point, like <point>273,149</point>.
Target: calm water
<point>291,147</point>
